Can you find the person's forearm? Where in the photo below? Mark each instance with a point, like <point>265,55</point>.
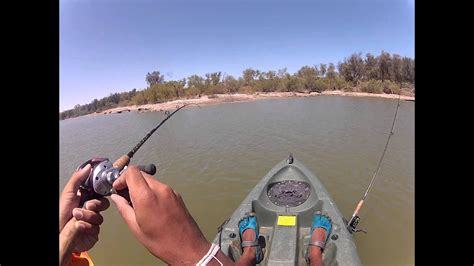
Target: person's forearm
<point>65,250</point>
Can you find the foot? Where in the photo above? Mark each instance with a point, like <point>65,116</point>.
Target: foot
<point>321,229</point>
<point>249,253</point>
<point>252,253</point>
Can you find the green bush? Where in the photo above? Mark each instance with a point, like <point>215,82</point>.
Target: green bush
<point>391,87</point>
<point>341,84</point>
<point>214,89</point>
<point>282,85</point>
<point>407,85</point>
<point>295,84</point>
<point>164,92</point>
<point>320,85</point>
<point>372,86</point>
<point>191,92</point>
<point>139,99</point>
<point>247,89</point>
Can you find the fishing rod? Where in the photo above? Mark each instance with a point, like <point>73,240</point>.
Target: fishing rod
<point>354,221</point>
<point>104,173</point>
<point>125,159</point>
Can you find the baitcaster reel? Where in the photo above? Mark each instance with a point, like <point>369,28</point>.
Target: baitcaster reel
<point>99,182</point>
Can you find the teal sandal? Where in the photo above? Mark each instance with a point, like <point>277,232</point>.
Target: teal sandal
<point>249,221</point>
<point>319,221</point>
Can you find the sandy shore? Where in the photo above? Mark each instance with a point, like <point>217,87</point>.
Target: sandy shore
<point>223,98</point>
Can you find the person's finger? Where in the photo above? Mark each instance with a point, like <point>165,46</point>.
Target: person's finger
<point>76,179</point>
<point>138,187</point>
<point>156,185</point>
<point>87,228</point>
<point>131,176</point>
<point>97,205</point>
<point>87,216</point>
<point>127,213</point>
<point>149,178</point>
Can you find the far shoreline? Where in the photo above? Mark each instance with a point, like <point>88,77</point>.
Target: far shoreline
<point>206,100</point>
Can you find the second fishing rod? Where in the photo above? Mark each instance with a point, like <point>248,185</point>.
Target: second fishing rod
<point>354,220</point>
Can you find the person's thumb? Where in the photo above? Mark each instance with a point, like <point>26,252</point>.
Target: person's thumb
<point>77,178</point>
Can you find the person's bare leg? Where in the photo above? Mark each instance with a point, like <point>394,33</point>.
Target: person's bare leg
<point>249,255</point>
<point>316,256</point>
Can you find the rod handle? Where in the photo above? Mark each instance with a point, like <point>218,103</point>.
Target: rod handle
<point>149,169</point>
<point>359,206</point>
<point>121,162</point>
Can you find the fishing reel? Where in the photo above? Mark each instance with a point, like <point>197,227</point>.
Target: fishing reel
<point>352,224</point>
<point>100,180</point>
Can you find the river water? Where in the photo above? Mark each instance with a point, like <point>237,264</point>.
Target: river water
<point>215,155</point>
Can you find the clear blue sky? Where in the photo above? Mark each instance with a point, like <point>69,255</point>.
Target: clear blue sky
<point>108,46</point>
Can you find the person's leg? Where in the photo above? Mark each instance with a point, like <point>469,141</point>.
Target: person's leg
<point>249,254</point>
<point>316,256</point>
<point>252,252</point>
<point>321,229</point>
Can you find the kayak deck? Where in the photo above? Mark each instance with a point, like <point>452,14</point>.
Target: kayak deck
<point>284,202</point>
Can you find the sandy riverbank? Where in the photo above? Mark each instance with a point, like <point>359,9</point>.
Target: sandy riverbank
<point>223,98</point>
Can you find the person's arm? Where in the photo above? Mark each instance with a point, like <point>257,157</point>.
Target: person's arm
<point>65,249</point>
<point>160,220</point>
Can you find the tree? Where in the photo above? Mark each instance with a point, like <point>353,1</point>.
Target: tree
<point>249,75</point>
<point>197,82</point>
<point>216,78</point>
<point>308,75</point>
<point>322,69</point>
<point>371,67</point>
<point>213,83</point>
<point>294,83</point>
<point>114,98</point>
<point>213,78</point>
<point>94,104</point>
<point>231,84</point>
<point>331,72</point>
<point>408,69</point>
<point>154,78</point>
<point>281,73</point>
<point>178,87</point>
<point>150,95</point>
<point>384,65</point>
<point>396,69</point>
<point>353,68</point>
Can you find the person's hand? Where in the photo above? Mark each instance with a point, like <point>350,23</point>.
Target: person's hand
<point>159,219</point>
<point>79,227</point>
<point>70,197</point>
<point>82,231</point>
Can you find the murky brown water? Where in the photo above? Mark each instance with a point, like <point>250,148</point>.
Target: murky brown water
<point>214,155</point>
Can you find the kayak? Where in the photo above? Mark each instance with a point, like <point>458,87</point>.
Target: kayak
<point>284,202</point>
